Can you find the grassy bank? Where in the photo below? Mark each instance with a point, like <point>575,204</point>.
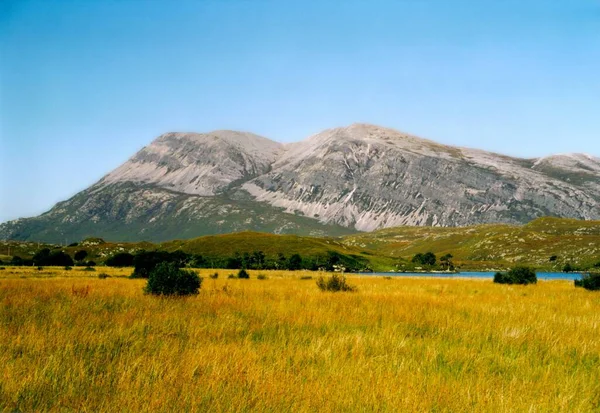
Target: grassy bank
<point>71,341</point>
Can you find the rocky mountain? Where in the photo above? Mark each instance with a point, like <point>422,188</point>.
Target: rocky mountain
<point>361,177</point>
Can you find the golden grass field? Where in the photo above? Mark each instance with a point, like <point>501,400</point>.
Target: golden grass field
<point>73,342</point>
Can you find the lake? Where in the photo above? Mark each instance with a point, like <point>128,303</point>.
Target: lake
<point>477,274</point>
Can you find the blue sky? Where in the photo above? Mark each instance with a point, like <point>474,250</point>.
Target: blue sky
<point>85,84</point>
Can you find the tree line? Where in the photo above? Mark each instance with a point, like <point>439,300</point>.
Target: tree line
<point>145,261</point>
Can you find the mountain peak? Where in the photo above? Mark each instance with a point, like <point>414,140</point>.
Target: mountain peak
<point>198,163</point>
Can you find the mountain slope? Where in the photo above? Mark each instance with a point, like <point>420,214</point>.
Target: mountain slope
<point>199,164</point>
<point>570,241</point>
<point>361,177</point>
<point>130,212</point>
<point>371,177</point>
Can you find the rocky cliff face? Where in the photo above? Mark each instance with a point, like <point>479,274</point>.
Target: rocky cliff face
<point>361,177</point>
<point>370,177</point>
<point>198,164</point>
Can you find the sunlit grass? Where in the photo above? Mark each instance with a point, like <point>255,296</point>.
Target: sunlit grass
<point>71,341</point>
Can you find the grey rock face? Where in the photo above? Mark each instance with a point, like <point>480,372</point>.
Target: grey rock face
<point>361,177</point>
<point>370,177</point>
<point>200,164</point>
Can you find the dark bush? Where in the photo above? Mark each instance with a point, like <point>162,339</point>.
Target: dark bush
<point>230,276</point>
<point>168,279</point>
<point>569,267</point>
<point>121,259</point>
<point>589,282</point>
<point>91,263</point>
<point>89,269</point>
<point>243,274</point>
<point>68,268</point>
<point>261,277</point>
<point>424,259</point>
<point>80,255</point>
<point>214,276</point>
<point>56,258</point>
<point>295,262</point>
<point>145,261</point>
<point>18,261</point>
<point>517,275</point>
<point>334,283</point>
<point>306,277</point>
<point>73,244</point>
<point>103,275</point>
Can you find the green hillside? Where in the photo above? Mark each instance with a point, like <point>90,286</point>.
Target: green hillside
<point>478,247</point>
<point>571,241</point>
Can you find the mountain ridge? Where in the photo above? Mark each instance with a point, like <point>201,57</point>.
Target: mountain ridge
<point>361,177</point>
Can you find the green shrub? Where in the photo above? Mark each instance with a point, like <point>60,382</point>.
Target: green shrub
<point>306,277</point>
<point>52,258</point>
<point>334,283</point>
<point>230,276</point>
<point>589,282</point>
<point>68,268</point>
<point>103,275</point>
<point>121,259</point>
<point>424,259</point>
<point>569,267</point>
<point>261,277</point>
<point>80,255</point>
<point>243,274</point>
<point>517,275</point>
<point>89,269</point>
<point>40,268</point>
<point>145,261</point>
<point>214,276</point>
<point>2,268</point>
<point>168,279</point>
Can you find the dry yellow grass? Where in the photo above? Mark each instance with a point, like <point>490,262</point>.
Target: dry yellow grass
<point>73,342</point>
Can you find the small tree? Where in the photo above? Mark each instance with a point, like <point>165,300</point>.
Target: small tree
<point>121,259</point>
<point>589,282</point>
<point>168,279</point>
<point>295,262</point>
<point>424,259</point>
<point>81,255</point>
<point>517,275</point>
<point>446,261</point>
<point>243,274</point>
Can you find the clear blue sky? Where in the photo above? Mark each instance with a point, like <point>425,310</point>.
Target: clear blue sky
<point>85,84</point>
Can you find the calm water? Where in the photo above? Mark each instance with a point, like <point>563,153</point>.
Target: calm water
<point>483,274</point>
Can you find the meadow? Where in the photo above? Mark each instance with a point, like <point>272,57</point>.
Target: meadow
<point>74,342</point>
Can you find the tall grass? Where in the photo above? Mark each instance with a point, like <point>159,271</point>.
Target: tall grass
<point>280,344</point>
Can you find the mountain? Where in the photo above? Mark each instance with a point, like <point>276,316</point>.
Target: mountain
<point>361,177</point>
<point>368,177</point>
